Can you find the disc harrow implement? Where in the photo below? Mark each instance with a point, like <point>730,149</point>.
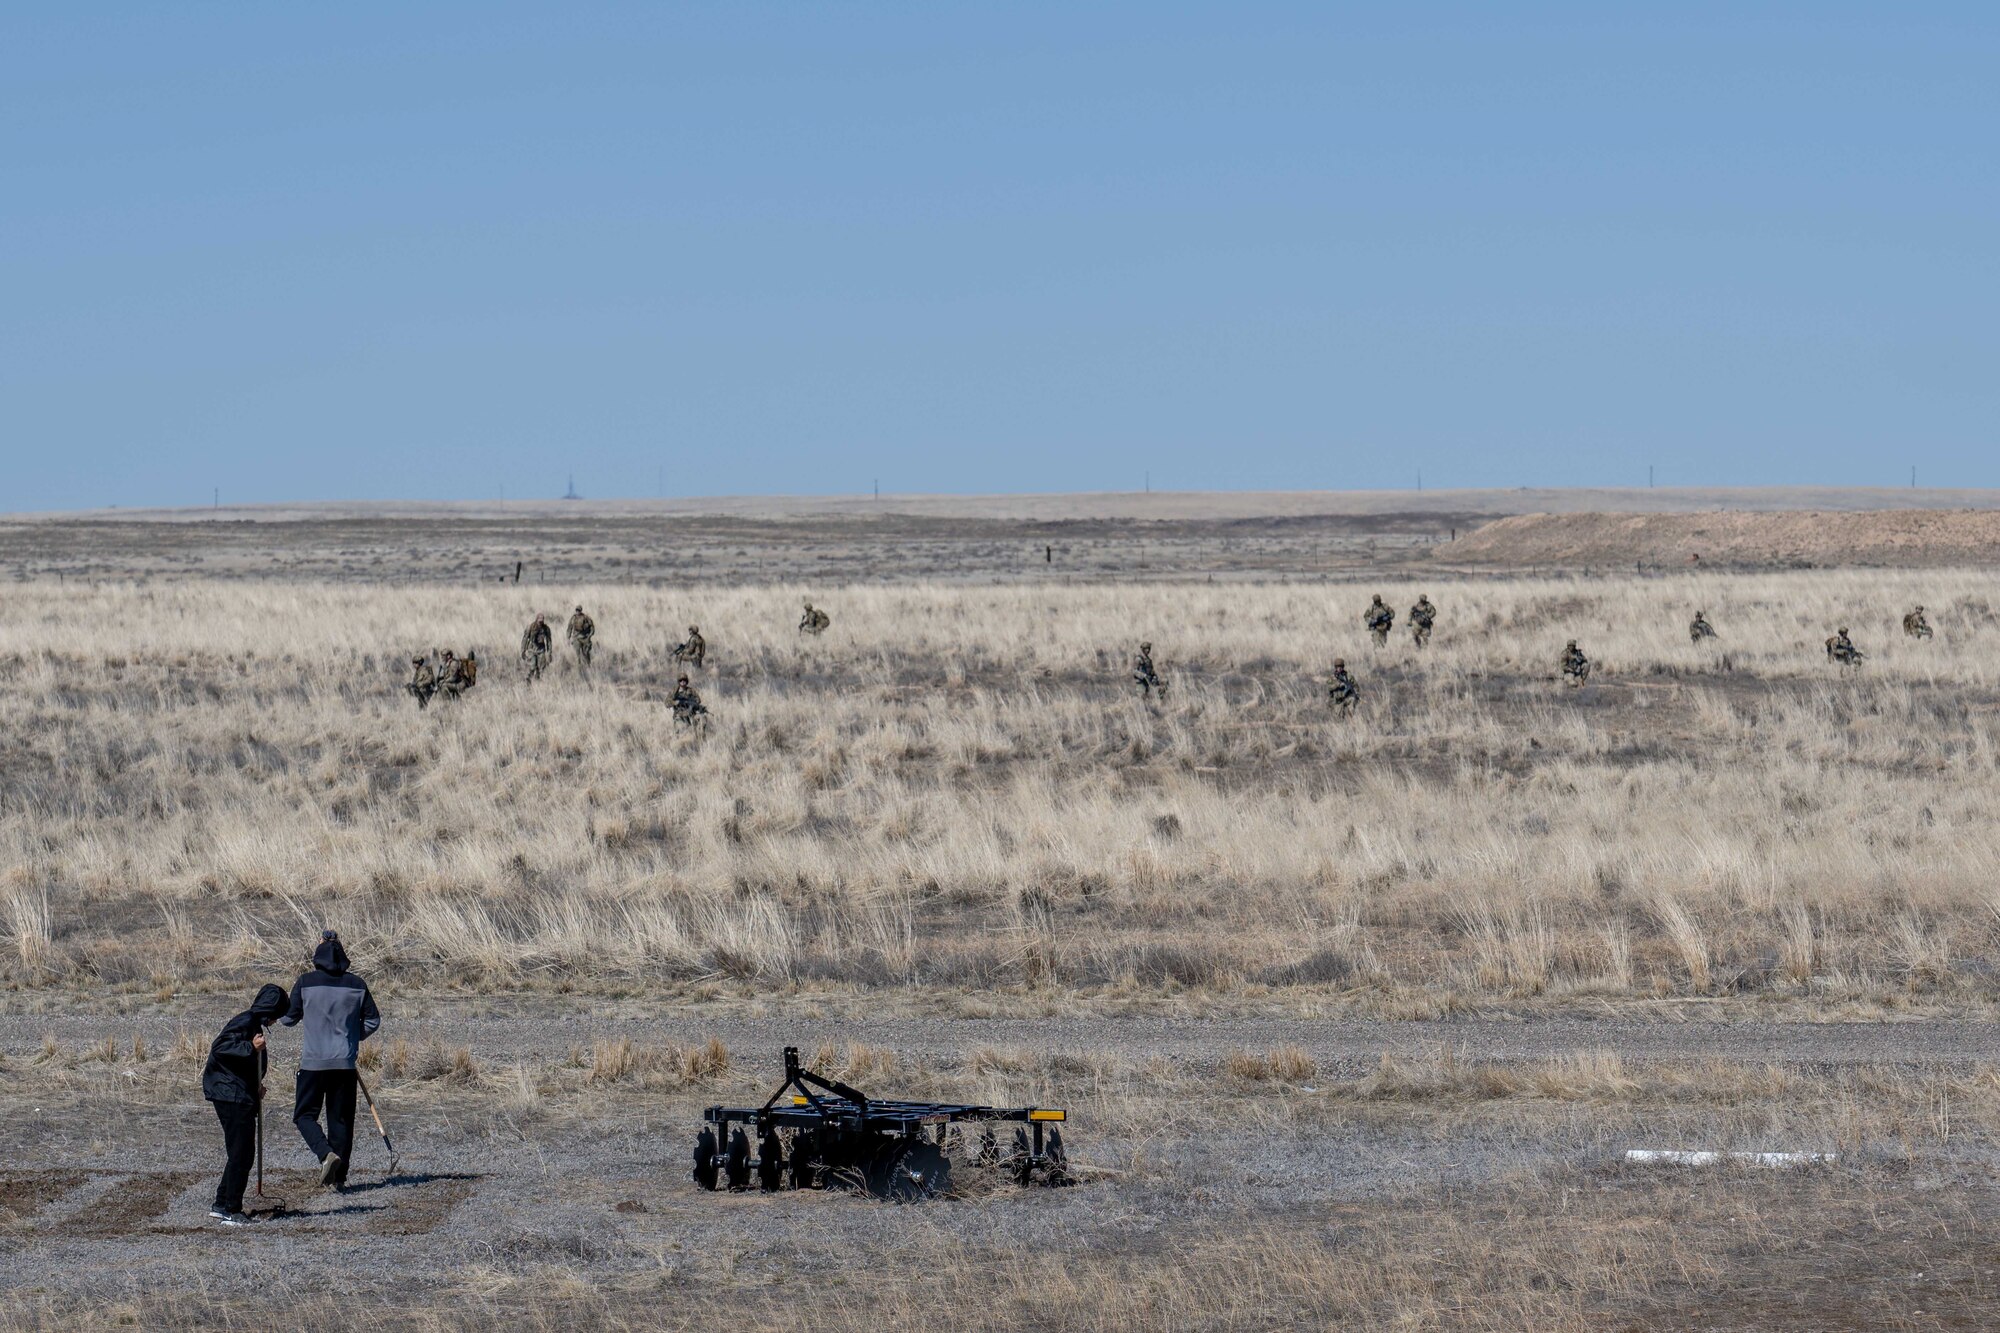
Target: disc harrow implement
<point>819,1133</point>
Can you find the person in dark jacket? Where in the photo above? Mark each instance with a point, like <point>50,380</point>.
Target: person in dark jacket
<point>233,1079</point>
<point>339,1014</point>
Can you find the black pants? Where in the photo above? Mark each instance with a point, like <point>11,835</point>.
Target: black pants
<point>239,1141</point>
<point>335,1089</point>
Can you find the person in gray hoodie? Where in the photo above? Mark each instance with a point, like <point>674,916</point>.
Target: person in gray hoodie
<point>339,1014</point>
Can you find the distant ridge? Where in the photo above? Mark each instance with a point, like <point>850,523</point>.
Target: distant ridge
<point>1132,505</point>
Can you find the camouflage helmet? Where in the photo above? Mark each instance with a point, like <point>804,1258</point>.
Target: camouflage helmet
<point>683,680</point>
<point>1843,629</point>
<point>418,660</point>
<point>1339,664</point>
<point>1571,643</point>
<point>579,609</point>
<point>694,629</point>
<point>1378,599</point>
<point>1146,647</point>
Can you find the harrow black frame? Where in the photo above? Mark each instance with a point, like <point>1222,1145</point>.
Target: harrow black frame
<point>818,1104</point>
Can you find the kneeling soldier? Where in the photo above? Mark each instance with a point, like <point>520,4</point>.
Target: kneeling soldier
<point>687,704</point>
<point>1575,666</point>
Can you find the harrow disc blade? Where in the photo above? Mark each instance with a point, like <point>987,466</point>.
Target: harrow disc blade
<point>737,1164</point>
<point>770,1161</point>
<point>704,1160</point>
<point>909,1171</point>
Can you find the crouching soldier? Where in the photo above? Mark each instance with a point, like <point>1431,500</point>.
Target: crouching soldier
<point>1699,628</point>
<point>1916,626</point>
<point>339,1014</point>
<point>692,650</point>
<point>688,707</point>
<point>1344,693</point>
<point>1841,649</point>
<point>814,621</point>
<point>233,1079</point>
<point>1575,666</point>
<point>423,681</point>
<point>462,676</point>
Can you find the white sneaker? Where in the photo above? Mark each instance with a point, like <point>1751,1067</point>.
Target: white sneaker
<point>329,1168</point>
<point>234,1219</point>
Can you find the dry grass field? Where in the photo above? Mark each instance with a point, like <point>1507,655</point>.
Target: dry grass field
<point>956,797</point>
<point>952,816</point>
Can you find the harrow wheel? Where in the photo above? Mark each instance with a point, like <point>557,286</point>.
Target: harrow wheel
<point>909,1171</point>
<point>736,1165</point>
<point>704,1160</point>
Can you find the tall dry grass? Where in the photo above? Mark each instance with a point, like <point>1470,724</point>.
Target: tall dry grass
<point>956,789</point>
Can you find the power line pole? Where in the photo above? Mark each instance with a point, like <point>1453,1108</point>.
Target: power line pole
<point>1913,476</point>
<point>1649,476</point>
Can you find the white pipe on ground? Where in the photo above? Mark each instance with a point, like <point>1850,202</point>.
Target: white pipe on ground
<point>1667,1157</point>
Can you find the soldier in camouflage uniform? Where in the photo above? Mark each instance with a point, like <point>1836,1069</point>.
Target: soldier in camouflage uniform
<point>458,674</point>
<point>1379,619</point>
<point>582,635</point>
<point>423,681</point>
<point>1422,616</point>
<point>1575,666</point>
<point>1841,649</point>
<point>1143,674</point>
<point>537,646</point>
<point>814,621</point>
<point>1915,625</point>
<point>1344,693</point>
<point>688,707</point>
<point>1699,628</point>
<point>693,650</point>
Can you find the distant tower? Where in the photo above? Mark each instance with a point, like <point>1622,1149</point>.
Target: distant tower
<point>571,494</point>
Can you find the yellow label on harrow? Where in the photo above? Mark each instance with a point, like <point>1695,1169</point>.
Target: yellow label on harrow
<point>1048,1115</point>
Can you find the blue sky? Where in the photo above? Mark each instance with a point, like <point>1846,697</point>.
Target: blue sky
<point>430,251</point>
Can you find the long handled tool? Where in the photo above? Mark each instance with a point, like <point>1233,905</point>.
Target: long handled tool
<point>260,1140</point>
<point>379,1127</point>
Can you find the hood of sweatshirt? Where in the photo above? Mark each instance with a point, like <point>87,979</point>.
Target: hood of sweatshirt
<point>330,958</point>
<point>270,1002</point>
